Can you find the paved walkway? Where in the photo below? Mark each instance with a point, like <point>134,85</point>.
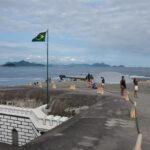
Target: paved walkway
<point>105,126</point>
<point>7,147</point>
<point>143,104</point>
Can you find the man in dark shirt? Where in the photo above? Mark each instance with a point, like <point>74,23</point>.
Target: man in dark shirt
<point>122,85</point>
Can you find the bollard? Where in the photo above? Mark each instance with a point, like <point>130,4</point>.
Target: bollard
<point>133,111</point>
<point>72,87</point>
<point>138,145</point>
<point>100,91</point>
<point>40,85</point>
<point>54,86</point>
<point>126,96</point>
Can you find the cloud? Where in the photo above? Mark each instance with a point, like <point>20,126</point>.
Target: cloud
<point>65,60</point>
<point>35,58</point>
<point>113,27</point>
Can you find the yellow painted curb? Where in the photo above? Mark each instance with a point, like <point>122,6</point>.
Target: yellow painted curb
<point>100,91</point>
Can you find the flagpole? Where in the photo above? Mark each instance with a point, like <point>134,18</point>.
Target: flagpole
<point>48,94</point>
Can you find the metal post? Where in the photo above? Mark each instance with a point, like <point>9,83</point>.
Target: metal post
<point>48,94</point>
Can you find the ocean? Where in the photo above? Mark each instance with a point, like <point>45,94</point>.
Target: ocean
<point>12,76</point>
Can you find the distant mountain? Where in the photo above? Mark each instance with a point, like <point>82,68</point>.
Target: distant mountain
<point>100,65</point>
<point>79,65</point>
<point>21,63</point>
<point>88,65</point>
<point>9,64</point>
<point>120,66</point>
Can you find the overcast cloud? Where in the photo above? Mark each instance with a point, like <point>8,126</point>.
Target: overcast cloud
<point>81,31</point>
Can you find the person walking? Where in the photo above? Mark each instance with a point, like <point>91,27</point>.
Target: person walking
<point>136,88</point>
<point>122,86</point>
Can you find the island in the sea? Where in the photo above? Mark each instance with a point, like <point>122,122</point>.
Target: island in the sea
<point>22,63</point>
<point>103,65</point>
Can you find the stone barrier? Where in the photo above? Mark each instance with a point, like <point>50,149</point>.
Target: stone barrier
<point>28,123</point>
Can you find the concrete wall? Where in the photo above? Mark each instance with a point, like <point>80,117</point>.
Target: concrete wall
<point>28,123</point>
<point>24,126</point>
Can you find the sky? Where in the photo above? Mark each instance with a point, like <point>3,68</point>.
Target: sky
<point>116,32</point>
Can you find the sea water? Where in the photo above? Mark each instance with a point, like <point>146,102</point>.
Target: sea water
<point>11,76</point>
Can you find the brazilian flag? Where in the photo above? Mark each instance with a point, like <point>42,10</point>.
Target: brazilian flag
<point>40,37</point>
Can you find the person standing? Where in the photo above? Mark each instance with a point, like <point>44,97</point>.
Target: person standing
<point>102,82</point>
<point>122,85</point>
<point>136,88</point>
<point>88,78</point>
<point>91,80</point>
